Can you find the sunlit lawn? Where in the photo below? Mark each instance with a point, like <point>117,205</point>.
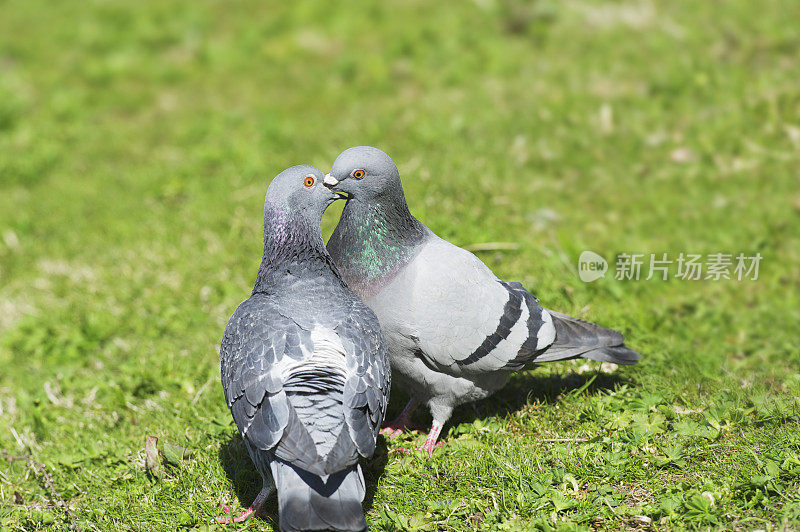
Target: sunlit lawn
<point>136,144</point>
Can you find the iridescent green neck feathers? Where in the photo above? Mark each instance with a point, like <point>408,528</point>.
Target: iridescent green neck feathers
<point>373,242</point>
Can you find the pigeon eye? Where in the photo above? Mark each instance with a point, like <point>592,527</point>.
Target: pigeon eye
<point>309,181</point>
<point>358,174</point>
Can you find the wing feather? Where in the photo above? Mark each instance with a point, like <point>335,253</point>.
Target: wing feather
<point>252,347</point>
<point>366,391</point>
<point>463,320</point>
<point>292,384</point>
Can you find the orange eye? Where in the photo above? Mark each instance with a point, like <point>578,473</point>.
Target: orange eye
<point>309,181</point>
<point>358,174</point>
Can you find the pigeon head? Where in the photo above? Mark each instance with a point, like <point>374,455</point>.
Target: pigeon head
<point>293,208</point>
<point>298,191</point>
<point>364,173</point>
<point>376,235</point>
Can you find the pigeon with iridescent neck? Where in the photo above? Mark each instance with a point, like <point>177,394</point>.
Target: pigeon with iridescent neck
<point>455,332</point>
<point>304,367</point>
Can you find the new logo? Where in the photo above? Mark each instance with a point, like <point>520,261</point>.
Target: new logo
<point>591,266</point>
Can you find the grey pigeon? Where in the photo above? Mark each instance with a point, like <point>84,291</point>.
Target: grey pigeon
<point>455,332</point>
<point>304,367</point>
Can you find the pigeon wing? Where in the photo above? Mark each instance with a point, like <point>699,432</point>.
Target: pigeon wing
<point>463,319</point>
<point>366,390</point>
<point>257,341</point>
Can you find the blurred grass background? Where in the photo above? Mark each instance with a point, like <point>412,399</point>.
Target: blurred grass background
<point>136,144</point>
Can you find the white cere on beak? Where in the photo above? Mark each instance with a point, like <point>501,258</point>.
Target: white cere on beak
<point>330,180</point>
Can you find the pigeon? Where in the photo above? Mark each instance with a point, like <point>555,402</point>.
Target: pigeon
<point>455,332</point>
<point>304,368</point>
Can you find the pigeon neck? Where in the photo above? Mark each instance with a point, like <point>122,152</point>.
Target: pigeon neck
<point>373,241</point>
<point>292,249</point>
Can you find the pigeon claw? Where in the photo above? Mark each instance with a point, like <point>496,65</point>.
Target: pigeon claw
<point>424,448</point>
<point>255,508</point>
<point>391,432</point>
<point>226,519</point>
<point>392,429</point>
<point>431,442</point>
<point>428,449</point>
<point>403,450</point>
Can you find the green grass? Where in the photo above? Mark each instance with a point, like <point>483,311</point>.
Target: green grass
<point>136,144</point>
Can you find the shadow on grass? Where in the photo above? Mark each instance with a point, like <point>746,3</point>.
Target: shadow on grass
<point>247,482</point>
<point>522,389</point>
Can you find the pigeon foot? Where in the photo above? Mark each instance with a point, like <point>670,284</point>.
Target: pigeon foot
<point>395,428</point>
<point>422,449</point>
<point>429,449</point>
<point>254,508</point>
<point>430,442</point>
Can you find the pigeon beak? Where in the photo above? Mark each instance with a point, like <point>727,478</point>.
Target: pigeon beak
<point>330,181</point>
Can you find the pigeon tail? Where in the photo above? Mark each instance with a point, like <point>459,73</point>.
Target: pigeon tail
<point>307,502</point>
<point>577,338</point>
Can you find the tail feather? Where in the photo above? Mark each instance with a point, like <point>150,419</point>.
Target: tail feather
<point>307,502</point>
<point>577,338</point>
<point>620,354</point>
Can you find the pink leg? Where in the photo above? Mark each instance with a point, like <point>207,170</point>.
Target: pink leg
<point>431,443</point>
<point>255,508</point>
<point>394,428</point>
